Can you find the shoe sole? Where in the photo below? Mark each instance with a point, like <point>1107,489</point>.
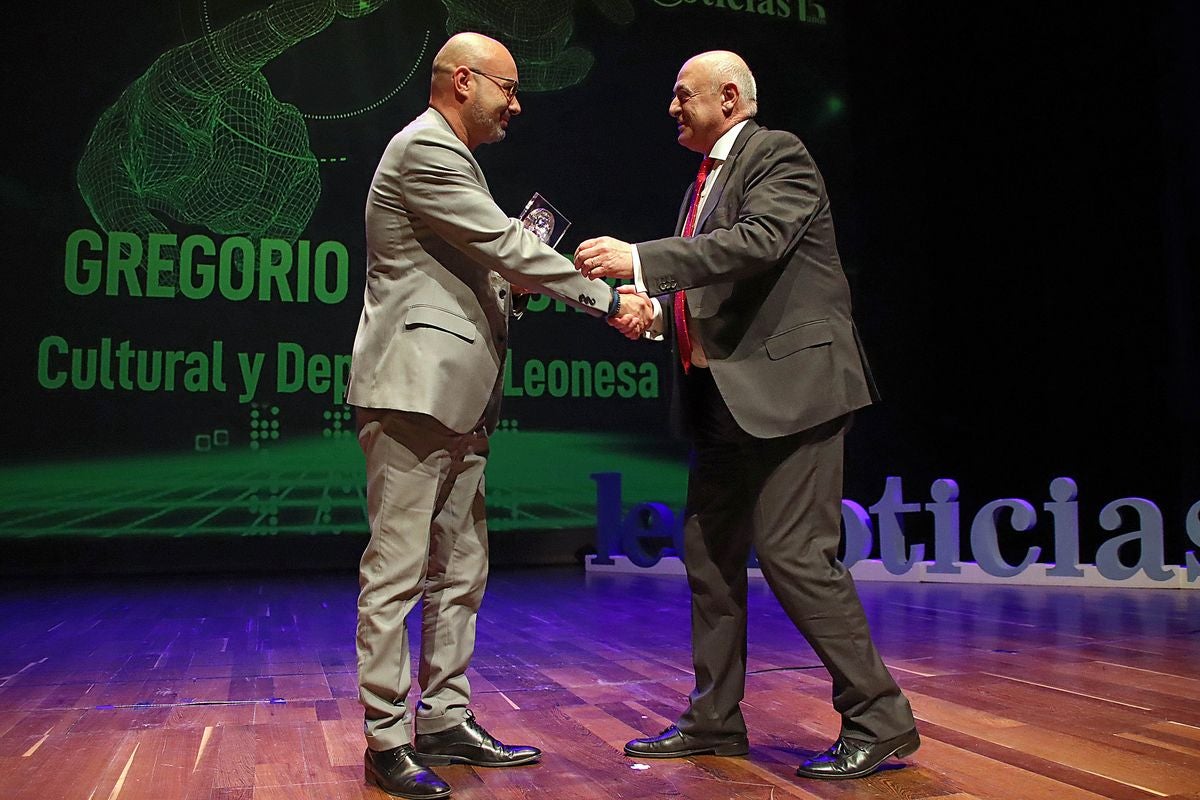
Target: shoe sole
<point>373,780</point>
<point>426,760</point>
<point>903,751</point>
<point>719,750</point>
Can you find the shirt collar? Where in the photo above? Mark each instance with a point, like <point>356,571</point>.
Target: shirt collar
<point>720,150</point>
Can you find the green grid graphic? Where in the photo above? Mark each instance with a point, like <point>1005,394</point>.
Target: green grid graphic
<point>536,481</point>
<point>201,139</point>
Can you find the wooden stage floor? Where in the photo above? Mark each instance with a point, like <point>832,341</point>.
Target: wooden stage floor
<point>244,687</point>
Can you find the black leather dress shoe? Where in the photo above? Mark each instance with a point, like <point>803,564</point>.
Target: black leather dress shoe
<point>469,743</point>
<point>674,743</point>
<point>853,758</point>
<point>397,772</point>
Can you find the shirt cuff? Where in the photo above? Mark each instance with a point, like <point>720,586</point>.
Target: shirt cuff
<point>655,331</point>
<point>638,281</point>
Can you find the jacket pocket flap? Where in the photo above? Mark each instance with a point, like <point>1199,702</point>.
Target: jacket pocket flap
<point>810,334</point>
<point>434,317</point>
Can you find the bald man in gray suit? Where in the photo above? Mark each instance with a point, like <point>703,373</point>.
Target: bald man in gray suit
<point>426,378</point>
<point>770,370</point>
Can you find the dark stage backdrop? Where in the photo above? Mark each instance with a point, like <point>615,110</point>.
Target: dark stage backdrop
<point>183,208</point>
<point>1014,188</point>
<point>1026,208</point>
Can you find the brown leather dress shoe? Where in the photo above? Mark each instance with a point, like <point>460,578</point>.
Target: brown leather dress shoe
<point>674,743</point>
<point>854,758</point>
<point>397,772</point>
<point>469,743</point>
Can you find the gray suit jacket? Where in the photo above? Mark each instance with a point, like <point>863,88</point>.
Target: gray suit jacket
<point>433,334</point>
<point>765,286</point>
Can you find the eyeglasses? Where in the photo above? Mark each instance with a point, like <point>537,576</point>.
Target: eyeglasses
<point>510,86</point>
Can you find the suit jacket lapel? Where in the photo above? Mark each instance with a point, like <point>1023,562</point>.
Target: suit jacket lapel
<point>683,209</point>
<point>714,194</point>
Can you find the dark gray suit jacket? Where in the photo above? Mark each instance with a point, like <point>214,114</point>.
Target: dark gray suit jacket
<point>764,283</point>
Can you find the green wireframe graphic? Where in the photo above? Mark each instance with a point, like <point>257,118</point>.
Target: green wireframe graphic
<point>200,137</point>
<point>537,33</point>
<point>314,485</point>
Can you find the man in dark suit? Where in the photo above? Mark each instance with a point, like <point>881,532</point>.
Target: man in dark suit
<point>771,369</point>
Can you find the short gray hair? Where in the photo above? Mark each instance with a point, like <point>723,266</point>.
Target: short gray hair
<point>732,69</point>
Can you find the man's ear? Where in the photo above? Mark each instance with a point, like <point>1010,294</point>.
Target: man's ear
<point>462,81</point>
<point>729,96</point>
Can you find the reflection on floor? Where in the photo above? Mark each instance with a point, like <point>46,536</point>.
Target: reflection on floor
<point>240,687</point>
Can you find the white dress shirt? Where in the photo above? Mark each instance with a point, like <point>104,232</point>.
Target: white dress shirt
<point>719,154</point>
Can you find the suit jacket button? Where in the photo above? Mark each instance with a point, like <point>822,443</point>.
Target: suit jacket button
<point>503,294</point>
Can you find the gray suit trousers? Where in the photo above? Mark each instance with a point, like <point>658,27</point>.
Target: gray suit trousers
<point>783,496</point>
<point>425,503</point>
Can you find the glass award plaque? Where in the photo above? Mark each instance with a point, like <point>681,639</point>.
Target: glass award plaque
<point>544,220</point>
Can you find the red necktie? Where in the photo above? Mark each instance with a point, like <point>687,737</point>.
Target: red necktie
<point>689,227</point>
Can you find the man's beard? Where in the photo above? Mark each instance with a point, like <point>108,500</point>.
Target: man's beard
<point>485,122</point>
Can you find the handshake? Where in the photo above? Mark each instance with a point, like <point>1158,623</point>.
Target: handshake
<point>606,257</point>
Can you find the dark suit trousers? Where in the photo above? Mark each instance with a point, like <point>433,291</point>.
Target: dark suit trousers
<point>783,496</point>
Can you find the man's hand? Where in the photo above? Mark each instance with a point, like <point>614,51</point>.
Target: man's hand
<point>636,314</point>
<point>604,257</point>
